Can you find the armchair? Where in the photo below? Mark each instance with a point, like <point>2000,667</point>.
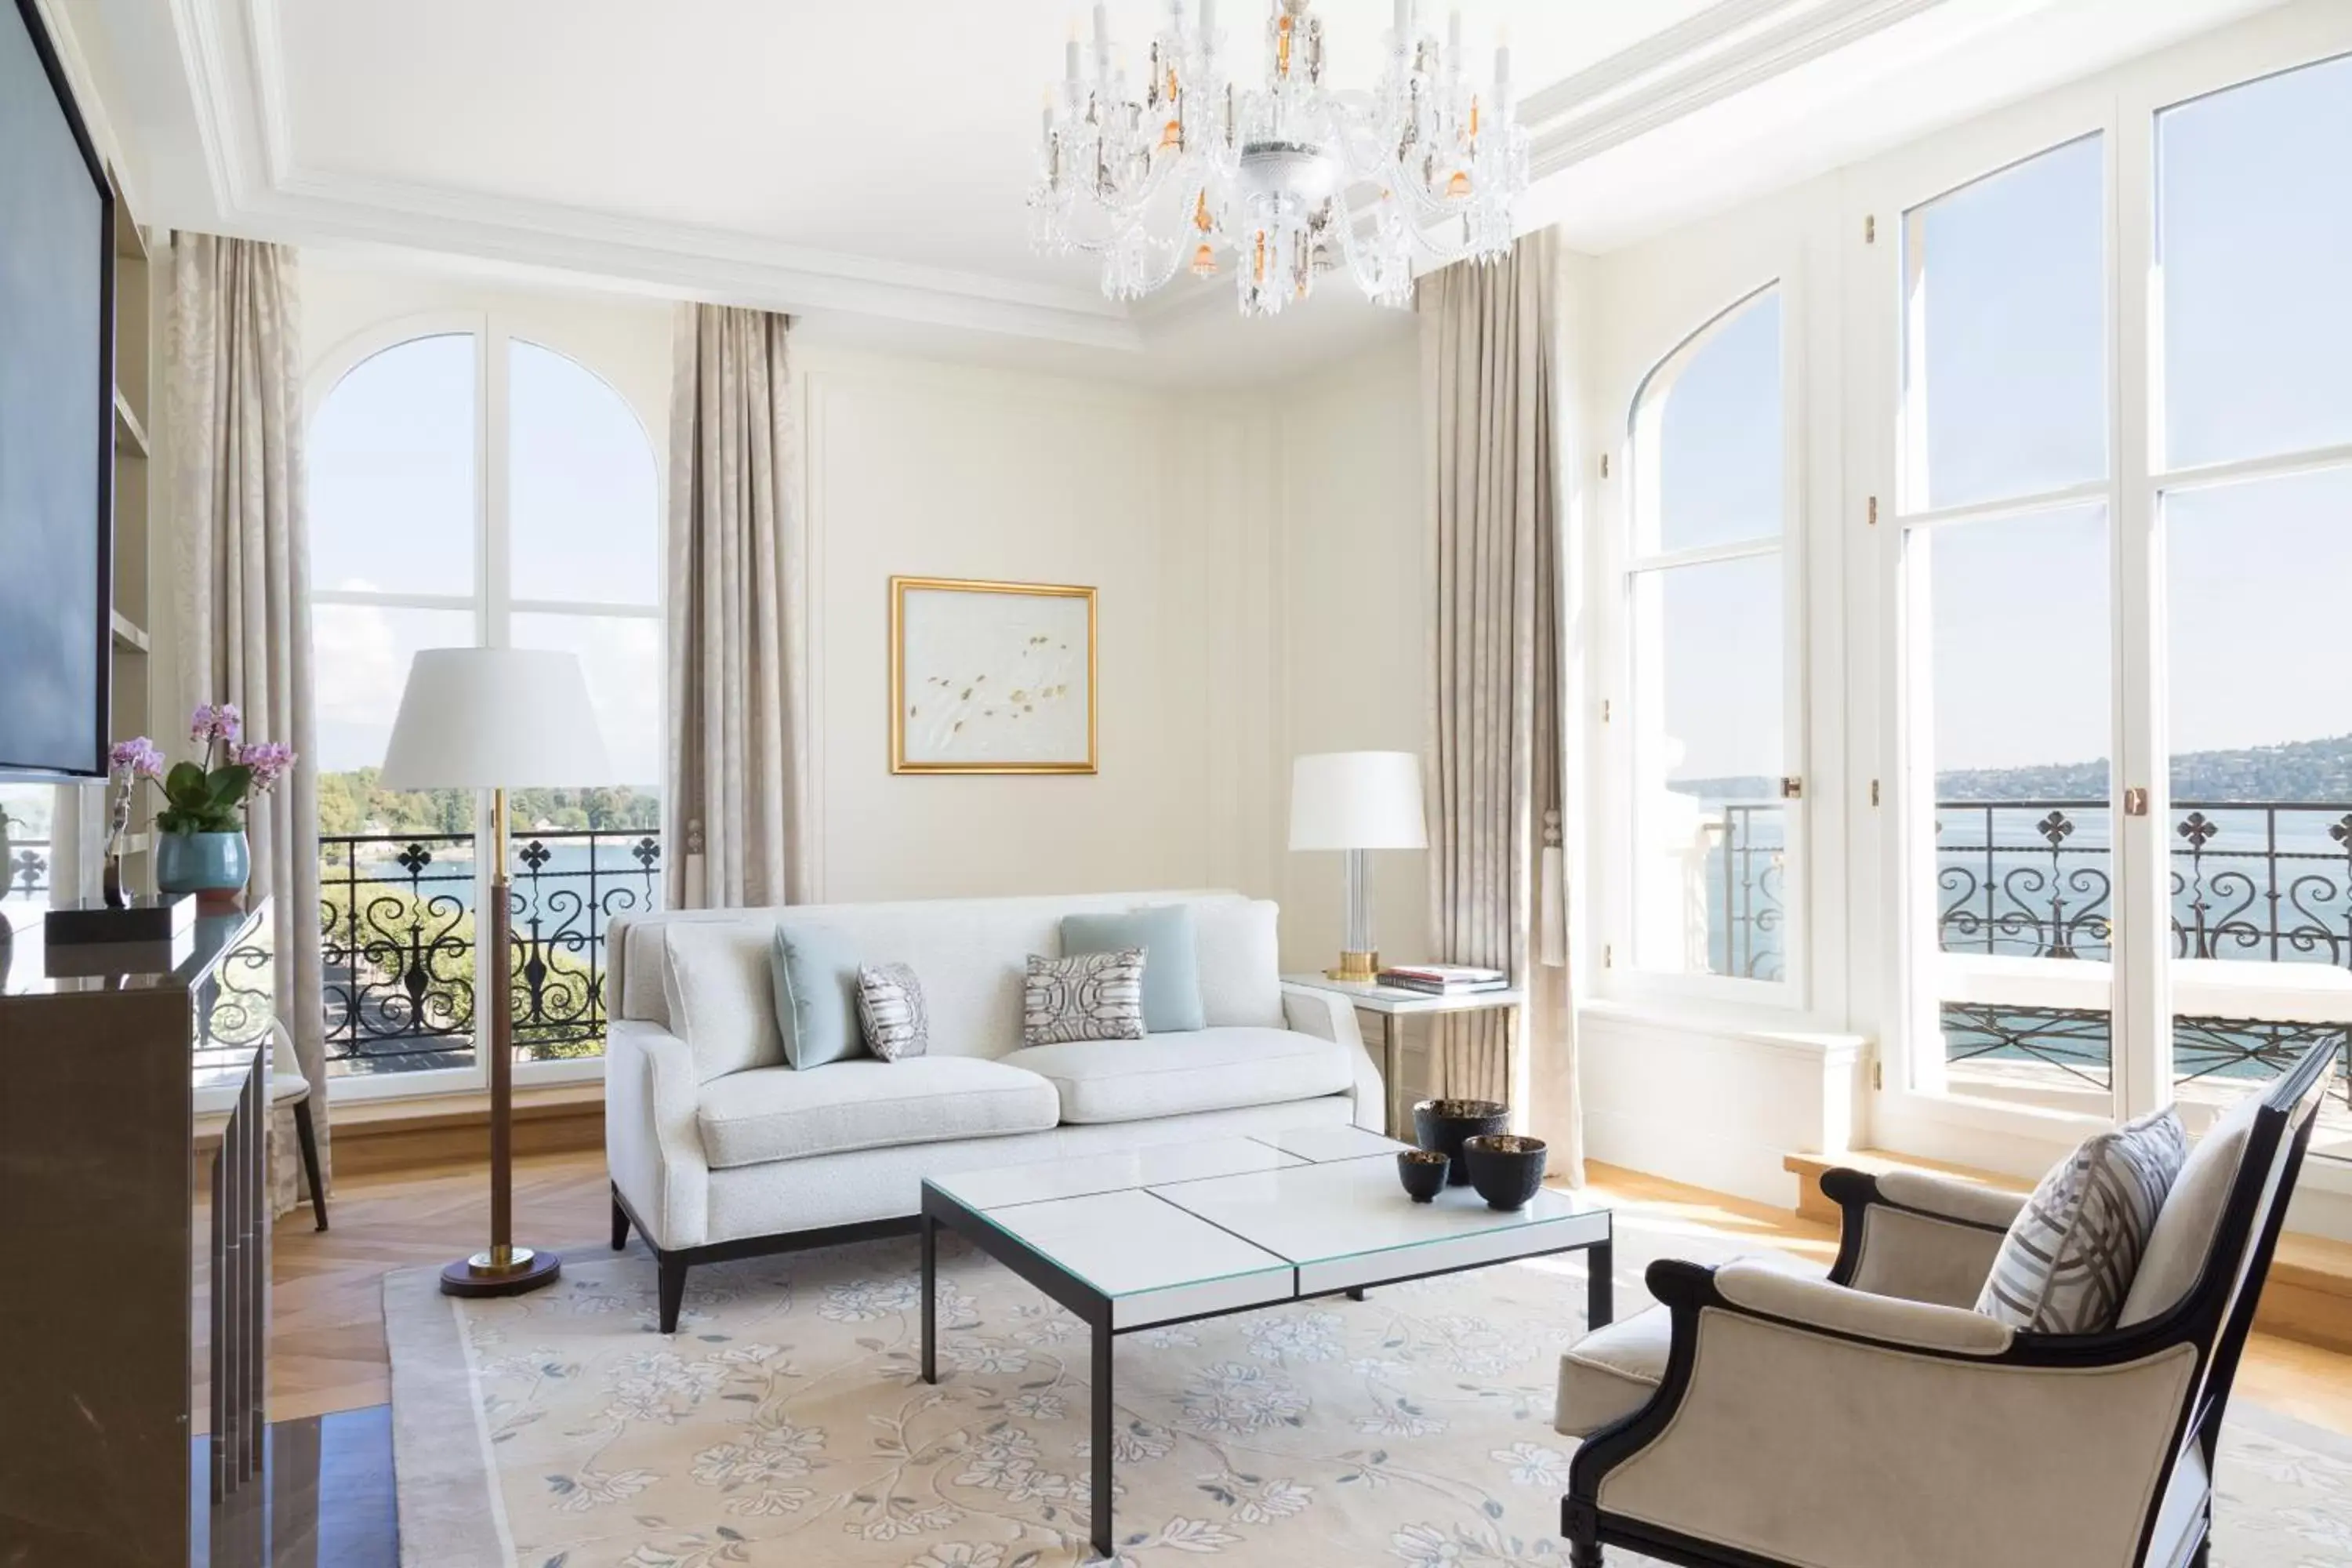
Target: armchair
<point>1873,1418</point>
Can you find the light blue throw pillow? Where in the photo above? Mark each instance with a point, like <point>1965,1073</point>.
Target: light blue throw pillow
<point>1171,965</point>
<point>816,996</point>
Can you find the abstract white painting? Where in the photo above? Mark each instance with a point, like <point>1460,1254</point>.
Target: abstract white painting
<point>992,676</point>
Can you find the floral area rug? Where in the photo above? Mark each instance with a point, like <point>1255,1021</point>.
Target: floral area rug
<point>785,1424</point>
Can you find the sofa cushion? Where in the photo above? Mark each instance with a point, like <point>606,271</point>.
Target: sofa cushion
<point>1240,961</point>
<point>2068,1260</point>
<point>1611,1371</point>
<point>814,971</point>
<point>720,997</point>
<point>1172,970</point>
<point>1174,1075</point>
<point>778,1113</point>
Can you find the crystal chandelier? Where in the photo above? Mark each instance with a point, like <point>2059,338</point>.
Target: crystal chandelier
<point>1192,168</point>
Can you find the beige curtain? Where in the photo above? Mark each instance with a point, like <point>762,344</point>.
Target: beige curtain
<point>738,641</point>
<point>233,422</point>
<point>1486,367</point>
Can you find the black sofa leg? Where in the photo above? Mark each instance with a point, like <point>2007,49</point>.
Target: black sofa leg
<point>672,1290</point>
<point>1582,1555</point>
<point>620,1223</point>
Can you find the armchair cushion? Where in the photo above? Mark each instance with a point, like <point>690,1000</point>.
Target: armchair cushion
<point>2071,1255</point>
<point>1611,1371</point>
<point>2191,1220</point>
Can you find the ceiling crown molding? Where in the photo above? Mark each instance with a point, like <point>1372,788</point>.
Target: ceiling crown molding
<point>233,55</point>
<point>1713,55</point>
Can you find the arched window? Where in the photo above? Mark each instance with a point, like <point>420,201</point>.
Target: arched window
<point>1706,665</point>
<point>470,487</point>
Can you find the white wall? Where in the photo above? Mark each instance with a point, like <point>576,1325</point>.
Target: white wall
<point>929,469</point>
<point>951,471</point>
<point>1354,622</point>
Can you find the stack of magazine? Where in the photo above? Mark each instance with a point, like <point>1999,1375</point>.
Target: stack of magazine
<point>1445,979</point>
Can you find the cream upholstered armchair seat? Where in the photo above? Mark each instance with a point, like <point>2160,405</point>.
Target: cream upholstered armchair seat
<point>1763,1414</point>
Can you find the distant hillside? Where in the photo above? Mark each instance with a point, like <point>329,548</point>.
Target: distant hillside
<point>2306,771</point>
<point>2310,771</point>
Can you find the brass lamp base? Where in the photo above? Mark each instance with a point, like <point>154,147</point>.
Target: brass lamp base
<point>1363,966</point>
<point>519,1270</point>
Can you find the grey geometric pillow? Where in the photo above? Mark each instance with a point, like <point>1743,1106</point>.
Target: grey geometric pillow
<point>891,1010</point>
<point>1085,996</point>
<point>2068,1261</point>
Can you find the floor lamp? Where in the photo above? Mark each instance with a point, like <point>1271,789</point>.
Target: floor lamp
<point>497,719</point>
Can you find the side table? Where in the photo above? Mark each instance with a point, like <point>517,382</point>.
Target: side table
<point>1395,1002</point>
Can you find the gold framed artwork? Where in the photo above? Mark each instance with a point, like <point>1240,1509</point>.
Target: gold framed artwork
<point>991,677</point>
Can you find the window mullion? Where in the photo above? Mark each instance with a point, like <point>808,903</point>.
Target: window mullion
<point>2142,996</point>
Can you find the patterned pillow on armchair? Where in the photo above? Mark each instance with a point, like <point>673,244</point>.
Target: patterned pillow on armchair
<point>2069,1259</point>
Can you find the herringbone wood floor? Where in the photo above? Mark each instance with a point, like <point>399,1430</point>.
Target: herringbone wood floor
<point>327,1349</point>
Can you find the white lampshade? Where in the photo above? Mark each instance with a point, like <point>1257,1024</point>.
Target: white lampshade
<point>495,718</point>
<point>1356,800</point>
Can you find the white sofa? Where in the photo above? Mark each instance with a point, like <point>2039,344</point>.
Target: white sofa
<point>718,1149</point>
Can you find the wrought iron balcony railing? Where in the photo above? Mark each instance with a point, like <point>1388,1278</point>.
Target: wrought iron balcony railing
<point>396,915</point>
<point>25,869</point>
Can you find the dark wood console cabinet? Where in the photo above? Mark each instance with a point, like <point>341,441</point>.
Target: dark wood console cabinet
<point>134,1241</point>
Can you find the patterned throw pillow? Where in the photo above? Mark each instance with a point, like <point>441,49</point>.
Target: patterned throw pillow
<point>891,1010</point>
<point>1085,996</point>
<point>2069,1259</point>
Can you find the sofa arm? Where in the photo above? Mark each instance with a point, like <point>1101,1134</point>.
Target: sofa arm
<point>1798,1422</point>
<point>653,1149</point>
<point>1920,1237</point>
<point>1329,1016</point>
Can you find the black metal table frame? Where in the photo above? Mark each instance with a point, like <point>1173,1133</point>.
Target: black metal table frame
<point>1092,1307</point>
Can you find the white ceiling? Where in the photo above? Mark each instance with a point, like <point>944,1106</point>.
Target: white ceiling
<point>903,131</point>
<point>866,162</point>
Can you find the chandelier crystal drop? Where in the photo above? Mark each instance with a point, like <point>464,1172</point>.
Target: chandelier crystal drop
<point>1186,168</point>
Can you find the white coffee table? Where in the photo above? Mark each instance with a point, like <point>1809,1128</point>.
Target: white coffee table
<point>1155,1235</point>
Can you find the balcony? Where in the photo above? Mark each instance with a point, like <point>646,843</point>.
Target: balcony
<point>25,875</point>
<point>396,916</point>
<point>2262,938</point>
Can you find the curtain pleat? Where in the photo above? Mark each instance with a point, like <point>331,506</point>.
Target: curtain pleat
<point>734,806</point>
<point>233,379</point>
<point>1495,734</point>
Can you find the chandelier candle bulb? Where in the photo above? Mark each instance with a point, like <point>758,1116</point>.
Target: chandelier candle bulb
<point>1283,164</point>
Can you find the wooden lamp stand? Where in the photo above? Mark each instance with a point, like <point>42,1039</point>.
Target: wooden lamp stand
<point>504,1269</point>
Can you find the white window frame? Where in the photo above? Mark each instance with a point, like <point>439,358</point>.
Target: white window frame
<point>491,604</point>
<point>1621,976</point>
<point>1909,1110</point>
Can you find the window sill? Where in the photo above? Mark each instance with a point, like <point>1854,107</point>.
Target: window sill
<point>1769,1029</point>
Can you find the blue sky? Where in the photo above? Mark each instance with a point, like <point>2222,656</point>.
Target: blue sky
<point>2255,244</point>
<point>392,477</point>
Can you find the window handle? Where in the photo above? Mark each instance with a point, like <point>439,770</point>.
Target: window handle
<point>2135,801</point>
<point>1792,789</point>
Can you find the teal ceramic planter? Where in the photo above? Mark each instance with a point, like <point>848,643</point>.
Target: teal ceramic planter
<point>213,865</point>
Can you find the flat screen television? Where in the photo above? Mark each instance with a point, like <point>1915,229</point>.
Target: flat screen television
<point>56,417</point>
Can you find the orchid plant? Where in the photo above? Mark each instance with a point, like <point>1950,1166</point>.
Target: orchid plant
<point>206,796</point>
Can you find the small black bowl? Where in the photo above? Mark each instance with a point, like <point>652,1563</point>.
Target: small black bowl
<point>1423,1172</point>
<point>1506,1170</point>
<point>1441,1125</point>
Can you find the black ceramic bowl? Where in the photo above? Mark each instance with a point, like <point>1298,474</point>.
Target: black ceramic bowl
<point>1423,1172</point>
<point>1440,1125</point>
<point>1505,1170</point>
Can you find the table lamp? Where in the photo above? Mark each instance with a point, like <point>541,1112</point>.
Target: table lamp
<point>1356,801</point>
<point>497,719</point>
